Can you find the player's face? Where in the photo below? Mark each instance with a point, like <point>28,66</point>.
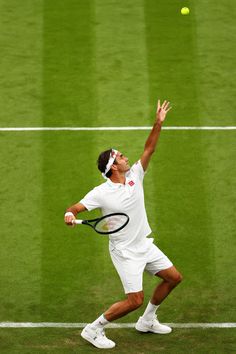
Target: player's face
<point>122,162</point>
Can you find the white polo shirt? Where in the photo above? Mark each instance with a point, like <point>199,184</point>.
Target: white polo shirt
<point>126,198</point>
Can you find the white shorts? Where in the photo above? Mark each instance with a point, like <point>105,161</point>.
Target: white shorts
<point>130,266</point>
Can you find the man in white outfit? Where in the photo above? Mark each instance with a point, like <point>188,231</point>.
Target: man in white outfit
<point>131,250</point>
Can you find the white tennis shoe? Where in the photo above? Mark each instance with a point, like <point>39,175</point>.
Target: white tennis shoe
<point>97,337</point>
<point>152,325</point>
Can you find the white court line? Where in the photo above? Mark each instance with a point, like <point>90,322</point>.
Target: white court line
<point>18,129</point>
<point>112,325</point>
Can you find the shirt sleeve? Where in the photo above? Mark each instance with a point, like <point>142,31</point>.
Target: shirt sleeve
<point>91,200</point>
<point>137,169</point>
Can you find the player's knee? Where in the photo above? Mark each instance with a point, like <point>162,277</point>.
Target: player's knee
<point>135,300</point>
<point>136,303</point>
<point>177,278</point>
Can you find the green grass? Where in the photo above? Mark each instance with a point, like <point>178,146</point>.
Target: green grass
<point>21,63</point>
<point>92,63</point>
<point>54,341</point>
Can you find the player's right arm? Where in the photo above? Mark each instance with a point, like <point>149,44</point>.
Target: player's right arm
<point>71,213</point>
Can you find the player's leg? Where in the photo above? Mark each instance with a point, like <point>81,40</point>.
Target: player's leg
<point>94,332</point>
<point>122,308</point>
<point>171,278</point>
<point>131,273</point>
<point>158,265</point>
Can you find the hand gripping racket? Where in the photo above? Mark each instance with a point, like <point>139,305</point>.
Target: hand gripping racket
<point>107,224</point>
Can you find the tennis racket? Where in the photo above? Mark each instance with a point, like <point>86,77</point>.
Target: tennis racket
<point>107,224</point>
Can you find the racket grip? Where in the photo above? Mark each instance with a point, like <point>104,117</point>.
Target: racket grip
<point>77,221</point>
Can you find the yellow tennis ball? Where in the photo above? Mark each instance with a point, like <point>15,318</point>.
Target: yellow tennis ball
<point>185,11</point>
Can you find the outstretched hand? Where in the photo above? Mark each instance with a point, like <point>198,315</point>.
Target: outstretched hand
<point>162,110</point>
<point>153,137</point>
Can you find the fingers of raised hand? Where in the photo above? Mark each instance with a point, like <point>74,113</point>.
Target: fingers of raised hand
<point>163,108</point>
<point>166,106</point>
<point>158,105</point>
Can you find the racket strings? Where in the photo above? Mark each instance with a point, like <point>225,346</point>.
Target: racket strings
<point>111,223</point>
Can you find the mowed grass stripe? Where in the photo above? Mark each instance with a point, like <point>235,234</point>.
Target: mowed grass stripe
<point>121,63</point>
<point>21,27</point>
<point>219,177</point>
<point>215,38</point>
<point>69,84</point>
<point>21,201</point>
<point>172,61</point>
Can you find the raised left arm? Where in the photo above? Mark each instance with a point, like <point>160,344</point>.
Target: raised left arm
<point>152,139</point>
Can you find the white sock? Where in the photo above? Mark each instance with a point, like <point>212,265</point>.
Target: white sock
<point>100,322</point>
<point>150,311</point>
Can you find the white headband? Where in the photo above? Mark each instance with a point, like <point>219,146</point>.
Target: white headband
<point>111,160</point>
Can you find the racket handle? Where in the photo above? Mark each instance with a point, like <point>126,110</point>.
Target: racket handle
<point>77,221</point>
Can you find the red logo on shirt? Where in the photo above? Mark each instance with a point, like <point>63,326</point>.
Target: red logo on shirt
<point>131,183</point>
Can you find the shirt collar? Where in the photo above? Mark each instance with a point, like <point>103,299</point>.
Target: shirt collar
<point>117,185</point>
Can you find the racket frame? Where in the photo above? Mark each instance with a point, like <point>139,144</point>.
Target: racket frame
<point>97,220</point>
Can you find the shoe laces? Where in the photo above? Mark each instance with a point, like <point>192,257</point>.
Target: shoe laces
<point>154,320</point>
<point>100,332</point>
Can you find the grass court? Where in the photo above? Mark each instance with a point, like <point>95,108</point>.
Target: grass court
<point>104,63</point>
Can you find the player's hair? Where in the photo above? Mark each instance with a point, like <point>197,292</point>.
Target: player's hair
<point>102,161</point>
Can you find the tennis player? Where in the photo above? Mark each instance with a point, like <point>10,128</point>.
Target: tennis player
<point>132,251</point>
